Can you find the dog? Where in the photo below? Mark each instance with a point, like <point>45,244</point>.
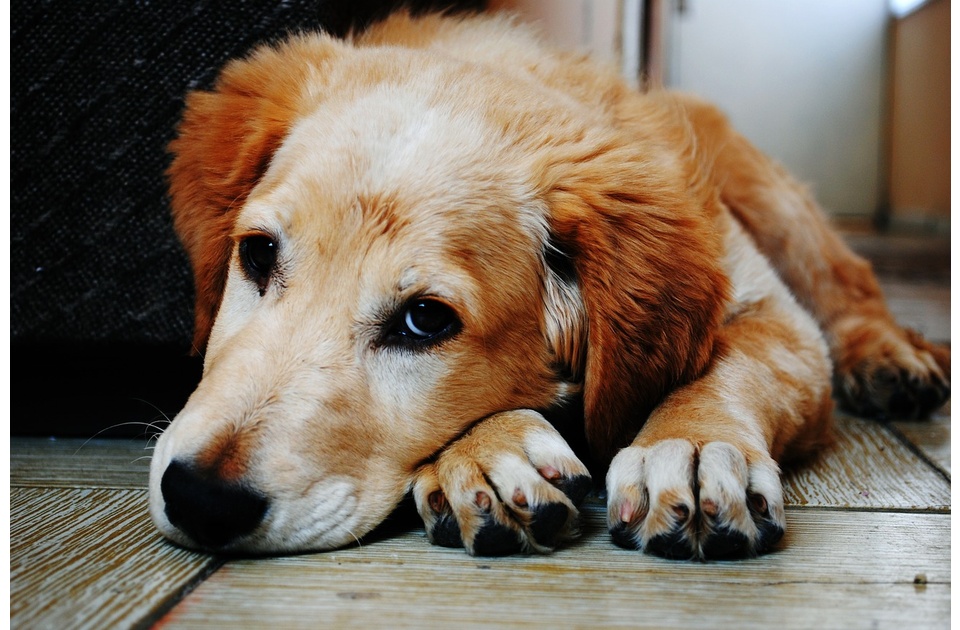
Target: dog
<point>414,246</point>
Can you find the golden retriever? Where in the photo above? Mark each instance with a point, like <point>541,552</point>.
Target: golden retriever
<point>412,246</point>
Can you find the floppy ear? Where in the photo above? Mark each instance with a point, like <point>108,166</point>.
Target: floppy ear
<point>647,263</point>
<point>225,141</point>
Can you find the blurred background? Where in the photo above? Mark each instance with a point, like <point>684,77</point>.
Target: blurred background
<point>852,96</point>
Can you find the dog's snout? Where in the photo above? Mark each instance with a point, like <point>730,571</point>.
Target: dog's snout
<point>213,512</point>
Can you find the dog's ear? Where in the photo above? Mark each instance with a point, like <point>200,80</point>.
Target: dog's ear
<point>224,144</point>
<point>646,260</point>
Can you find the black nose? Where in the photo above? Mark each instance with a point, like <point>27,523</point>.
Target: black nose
<point>211,511</point>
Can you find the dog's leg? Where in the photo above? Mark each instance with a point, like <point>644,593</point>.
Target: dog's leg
<point>510,484</point>
<point>880,369</point>
<point>701,479</point>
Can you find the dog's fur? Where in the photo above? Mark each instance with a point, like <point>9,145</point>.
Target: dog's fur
<point>577,240</point>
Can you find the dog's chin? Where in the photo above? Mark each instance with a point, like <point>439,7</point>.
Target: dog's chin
<point>264,544</point>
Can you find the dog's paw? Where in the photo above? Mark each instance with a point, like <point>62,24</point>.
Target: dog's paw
<point>677,501</point>
<point>888,373</point>
<point>510,485</point>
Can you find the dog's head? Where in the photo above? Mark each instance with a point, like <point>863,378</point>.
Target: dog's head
<point>389,247</point>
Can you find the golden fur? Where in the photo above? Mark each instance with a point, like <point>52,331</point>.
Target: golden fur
<point>581,240</point>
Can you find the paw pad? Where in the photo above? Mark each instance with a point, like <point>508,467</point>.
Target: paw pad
<point>726,543</point>
<point>623,536</point>
<point>576,488</point>
<point>495,539</point>
<point>673,545</point>
<point>548,521</point>
<point>446,532</point>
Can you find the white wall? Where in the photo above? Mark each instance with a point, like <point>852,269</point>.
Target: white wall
<point>589,25</point>
<point>803,79</point>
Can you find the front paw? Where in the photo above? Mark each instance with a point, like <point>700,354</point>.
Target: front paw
<point>677,501</point>
<point>511,484</point>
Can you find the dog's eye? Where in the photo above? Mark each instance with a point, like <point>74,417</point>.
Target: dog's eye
<point>424,321</point>
<point>258,254</point>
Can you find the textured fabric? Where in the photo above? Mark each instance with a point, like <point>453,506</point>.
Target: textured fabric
<point>96,90</point>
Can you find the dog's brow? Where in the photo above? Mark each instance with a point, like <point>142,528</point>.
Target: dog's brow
<point>380,212</point>
<point>242,232</point>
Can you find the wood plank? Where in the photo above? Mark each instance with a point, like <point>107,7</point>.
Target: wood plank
<point>840,569</point>
<point>76,463</point>
<point>91,558</point>
<point>904,258</point>
<point>922,306</point>
<point>931,437</point>
<point>867,467</point>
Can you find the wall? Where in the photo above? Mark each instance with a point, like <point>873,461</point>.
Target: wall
<point>802,79</point>
<point>920,117</point>
<point>590,25</point>
<point>805,80</point>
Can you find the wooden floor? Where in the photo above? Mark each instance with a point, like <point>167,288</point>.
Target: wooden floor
<point>867,546</point>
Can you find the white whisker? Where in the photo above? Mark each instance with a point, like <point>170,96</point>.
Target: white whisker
<point>149,425</point>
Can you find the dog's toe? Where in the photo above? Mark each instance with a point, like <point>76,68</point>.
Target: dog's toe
<point>738,510</point>
<point>651,497</point>
<point>509,485</point>
<point>443,529</point>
